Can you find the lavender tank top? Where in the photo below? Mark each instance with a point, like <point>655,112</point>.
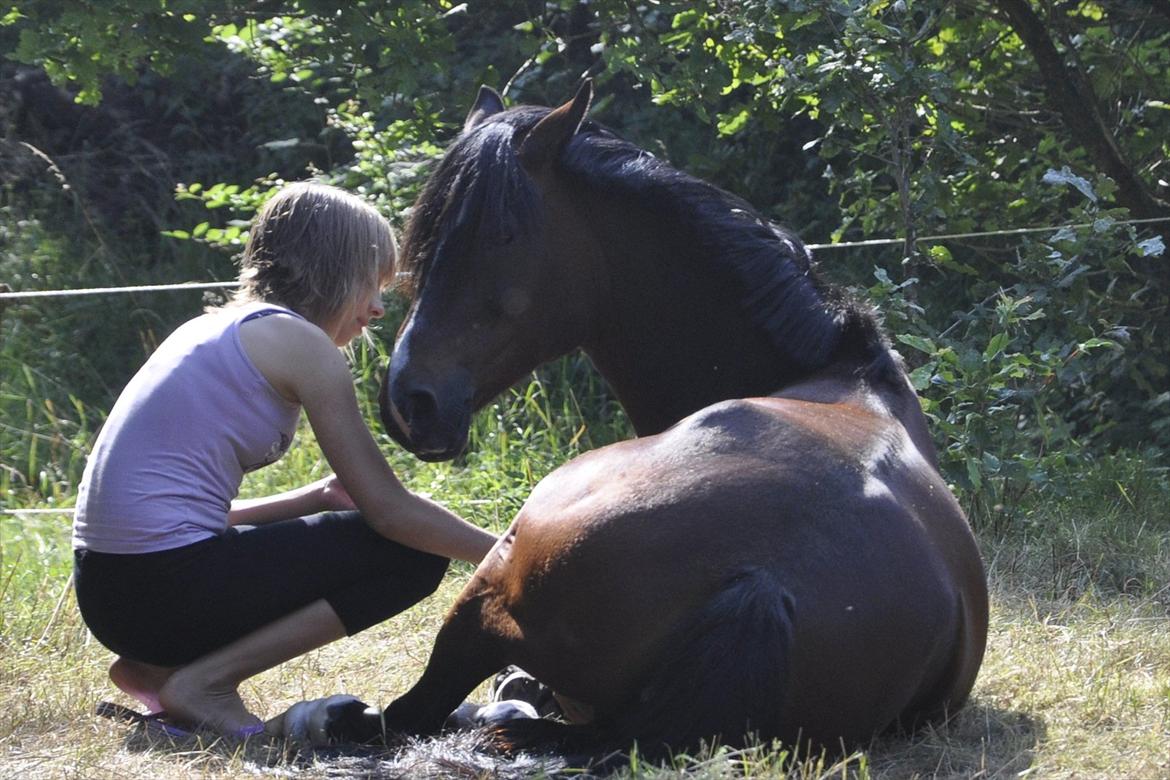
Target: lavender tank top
<point>174,450</point>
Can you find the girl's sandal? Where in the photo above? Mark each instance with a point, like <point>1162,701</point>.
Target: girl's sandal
<point>157,722</point>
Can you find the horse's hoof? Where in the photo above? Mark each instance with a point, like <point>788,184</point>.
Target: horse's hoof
<point>471,716</point>
<point>515,683</point>
<point>329,721</point>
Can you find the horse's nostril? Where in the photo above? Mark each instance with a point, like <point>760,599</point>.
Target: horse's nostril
<point>420,405</point>
<point>431,421</point>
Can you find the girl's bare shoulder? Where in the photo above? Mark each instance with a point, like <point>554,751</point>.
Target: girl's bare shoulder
<point>287,350</point>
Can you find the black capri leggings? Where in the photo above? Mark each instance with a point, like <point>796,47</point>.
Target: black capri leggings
<point>169,608</point>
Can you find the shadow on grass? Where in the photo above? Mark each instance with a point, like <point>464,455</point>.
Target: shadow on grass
<point>981,741</point>
<point>454,755</point>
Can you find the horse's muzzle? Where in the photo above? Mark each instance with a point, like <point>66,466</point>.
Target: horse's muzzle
<point>431,425</point>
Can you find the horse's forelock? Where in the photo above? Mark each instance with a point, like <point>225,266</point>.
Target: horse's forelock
<point>478,192</point>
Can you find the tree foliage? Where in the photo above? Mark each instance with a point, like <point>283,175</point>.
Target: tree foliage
<point>941,118</point>
<point>845,119</point>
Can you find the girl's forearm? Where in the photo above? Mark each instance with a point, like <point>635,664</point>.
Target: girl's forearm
<point>425,525</point>
<point>298,502</point>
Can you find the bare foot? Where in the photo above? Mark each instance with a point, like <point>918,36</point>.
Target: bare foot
<point>140,681</point>
<point>190,700</point>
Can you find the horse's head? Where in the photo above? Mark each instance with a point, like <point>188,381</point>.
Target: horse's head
<point>496,263</point>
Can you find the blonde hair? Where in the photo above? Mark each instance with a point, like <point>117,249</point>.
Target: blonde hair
<point>314,248</point>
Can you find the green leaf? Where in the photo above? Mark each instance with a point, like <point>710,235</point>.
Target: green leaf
<point>973,473</point>
<point>996,345</point>
<point>1152,247</point>
<point>685,19</point>
<point>943,257</point>
<point>940,254</point>
<point>730,125</point>
<point>921,376</point>
<point>918,342</point>
<point>1066,176</point>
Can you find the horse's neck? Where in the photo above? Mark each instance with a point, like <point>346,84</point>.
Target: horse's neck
<point>658,380</point>
<point>672,337</point>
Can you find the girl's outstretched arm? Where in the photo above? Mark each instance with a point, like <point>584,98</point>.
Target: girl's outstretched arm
<point>304,365</point>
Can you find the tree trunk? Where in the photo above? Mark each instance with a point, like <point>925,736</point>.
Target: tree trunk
<point>1072,96</point>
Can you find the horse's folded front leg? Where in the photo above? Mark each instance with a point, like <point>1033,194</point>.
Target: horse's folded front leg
<point>468,649</point>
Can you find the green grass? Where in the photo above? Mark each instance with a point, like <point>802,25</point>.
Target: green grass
<point>1076,682</point>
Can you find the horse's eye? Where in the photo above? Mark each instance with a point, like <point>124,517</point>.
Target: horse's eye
<point>513,302</point>
<point>506,239</point>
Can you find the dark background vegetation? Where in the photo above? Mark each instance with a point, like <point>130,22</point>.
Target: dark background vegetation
<point>137,137</point>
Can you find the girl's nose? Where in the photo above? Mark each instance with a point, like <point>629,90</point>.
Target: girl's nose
<point>377,308</point>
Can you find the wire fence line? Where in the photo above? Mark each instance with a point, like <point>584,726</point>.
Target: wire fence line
<point>25,294</point>
<point>6,294</point>
<point>981,234</point>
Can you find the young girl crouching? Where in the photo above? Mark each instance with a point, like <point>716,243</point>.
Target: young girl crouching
<point>197,591</point>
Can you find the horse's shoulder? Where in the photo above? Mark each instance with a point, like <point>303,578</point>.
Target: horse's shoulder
<point>587,481</point>
<point>777,424</point>
<point>719,441</point>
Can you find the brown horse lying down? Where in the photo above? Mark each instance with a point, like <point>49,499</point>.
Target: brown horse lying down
<point>775,555</point>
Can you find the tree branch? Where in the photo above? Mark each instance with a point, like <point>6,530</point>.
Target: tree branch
<point>1073,98</point>
<point>1161,6</point>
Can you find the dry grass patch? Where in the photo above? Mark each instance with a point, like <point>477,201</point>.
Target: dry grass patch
<point>1076,682</point>
<point>1075,688</point>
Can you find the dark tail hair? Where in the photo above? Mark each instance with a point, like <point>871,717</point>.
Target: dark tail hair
<point>723,676</point>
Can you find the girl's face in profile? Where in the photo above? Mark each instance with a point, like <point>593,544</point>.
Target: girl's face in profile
<point>351,321</point>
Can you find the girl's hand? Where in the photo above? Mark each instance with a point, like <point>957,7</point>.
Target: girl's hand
<point>333,495</point>
<point>324,495</point>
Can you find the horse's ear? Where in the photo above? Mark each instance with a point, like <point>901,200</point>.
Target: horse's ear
<point>487,102</point>
<point>544,142</point>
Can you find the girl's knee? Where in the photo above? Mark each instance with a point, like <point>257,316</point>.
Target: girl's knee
<point>431,570</point>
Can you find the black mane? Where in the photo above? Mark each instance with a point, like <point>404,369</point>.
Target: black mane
<point>481,180</point>
<point>478,193</point>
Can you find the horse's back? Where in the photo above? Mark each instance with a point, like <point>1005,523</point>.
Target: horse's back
<point>617,550</point>
<point>779,475</point>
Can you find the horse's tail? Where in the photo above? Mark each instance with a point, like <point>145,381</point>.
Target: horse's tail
<point>722,676</point>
